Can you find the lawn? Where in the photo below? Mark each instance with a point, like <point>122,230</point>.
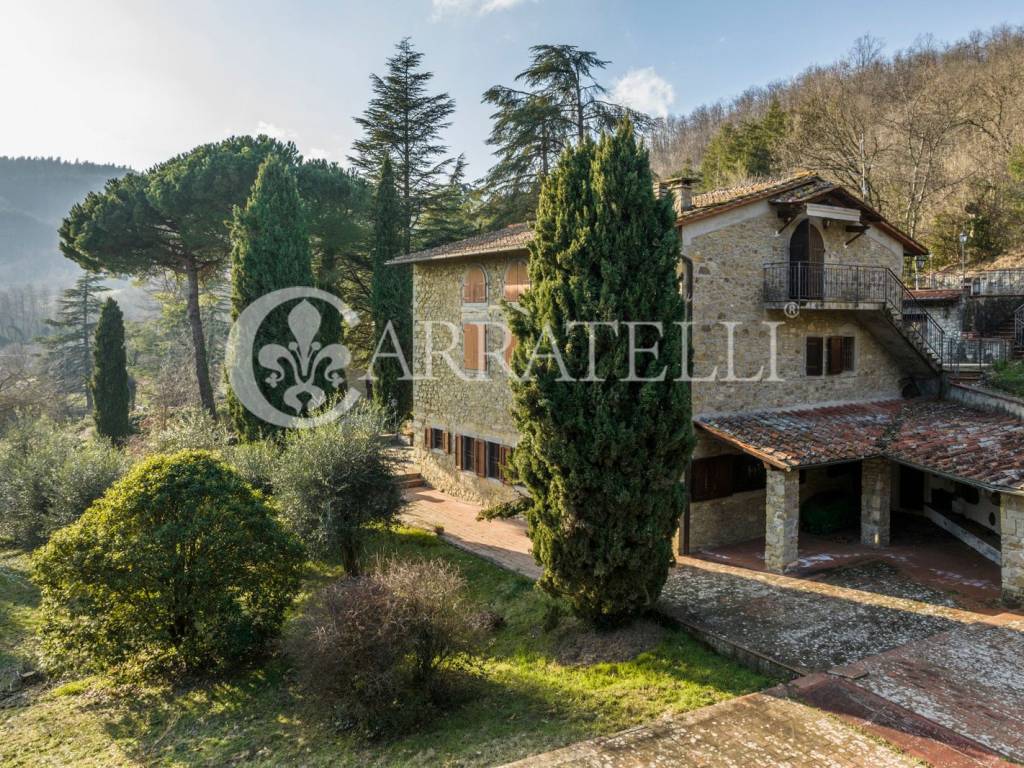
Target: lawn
<point>532,691</point>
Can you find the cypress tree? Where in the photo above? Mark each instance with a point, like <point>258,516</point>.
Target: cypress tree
<point>391,296</point>
<point>69,349</point>
<point>110,389</point>
<point>602,459</point>
<point>269,251</point>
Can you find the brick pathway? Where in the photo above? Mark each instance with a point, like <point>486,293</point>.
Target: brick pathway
<point>944,684</point>
<point>748,732</point>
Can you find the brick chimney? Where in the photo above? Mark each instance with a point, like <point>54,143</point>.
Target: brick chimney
<point>681,189</point>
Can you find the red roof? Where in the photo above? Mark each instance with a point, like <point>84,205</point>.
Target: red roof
<point>937,294</point>
<point>969,444</point>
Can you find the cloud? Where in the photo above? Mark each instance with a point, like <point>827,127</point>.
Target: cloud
<point>444,8</point>
<point>274,132</point>
<point>645,91</point>
<point>317,153</point>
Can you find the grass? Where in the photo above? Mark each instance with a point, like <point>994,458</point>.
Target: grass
<point>524,700</point>
<point>1007,376</point>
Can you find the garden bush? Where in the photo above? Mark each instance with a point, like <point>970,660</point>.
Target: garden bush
<point>255,462</point>
<point>335,481</point>
<point>191,428</point>
<point>181,565</point>
<point>381,649</point>
<point>829,512</point>
<point>506,510</point>
<point>48,477</point>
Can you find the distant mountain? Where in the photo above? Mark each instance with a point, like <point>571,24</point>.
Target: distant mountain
<point>35,194</point>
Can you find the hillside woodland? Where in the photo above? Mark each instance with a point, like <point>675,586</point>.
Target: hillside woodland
<point>932,135</point>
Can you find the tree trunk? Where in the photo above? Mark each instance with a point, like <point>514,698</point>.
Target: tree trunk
<point>195,322</point>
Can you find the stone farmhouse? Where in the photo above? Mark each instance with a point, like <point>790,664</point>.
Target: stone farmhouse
<point>815,371</point>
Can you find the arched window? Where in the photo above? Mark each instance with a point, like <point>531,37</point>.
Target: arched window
<point>474,286</point>
<point>517,280</point>
<point>806,262</point>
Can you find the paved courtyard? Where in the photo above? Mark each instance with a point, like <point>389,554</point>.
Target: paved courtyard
<point>942,683</point>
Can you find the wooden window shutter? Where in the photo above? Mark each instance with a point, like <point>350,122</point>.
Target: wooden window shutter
<point>444,442</point>
<point>426,438</point>
<point>449,442</point>
<point>474,286</point>
<point>510,347</point>
<point>815,353</point>
<point>481,457</point>
<point>503,457</point>
<point>835,355</point>
<point>474,340</point>
<point>458,451</point>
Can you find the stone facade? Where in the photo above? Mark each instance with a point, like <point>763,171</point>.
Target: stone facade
<point>476,405</point>
<point>727,254</point>
<point>782,519</point>
<point>1012,525</point>
<point>875,502</point>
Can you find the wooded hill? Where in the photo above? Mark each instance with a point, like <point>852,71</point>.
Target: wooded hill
<point>932,135</point>
<point>35,194</point>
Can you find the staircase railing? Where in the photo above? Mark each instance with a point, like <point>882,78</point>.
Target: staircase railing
<point>914,316</point>
<point>852,283</point>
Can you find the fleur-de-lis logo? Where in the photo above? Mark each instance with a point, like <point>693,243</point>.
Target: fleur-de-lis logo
<point>302,365</point>
<point>304,357</point>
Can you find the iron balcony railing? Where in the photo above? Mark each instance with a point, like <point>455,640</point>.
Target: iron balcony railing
<point>1018,325</point>
<point>997,282</point>
<point>975,352</point>
<point>803,282</point>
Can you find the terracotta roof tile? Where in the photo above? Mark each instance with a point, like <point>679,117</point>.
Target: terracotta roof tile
<point>977,446</point>
<point>515,237</point>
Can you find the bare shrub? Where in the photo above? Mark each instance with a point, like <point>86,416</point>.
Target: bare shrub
<point>380,649</point>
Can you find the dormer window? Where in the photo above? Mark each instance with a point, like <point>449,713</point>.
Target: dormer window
<point>474,286</point>
<point>517,280</point>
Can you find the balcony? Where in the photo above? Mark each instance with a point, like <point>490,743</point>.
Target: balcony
<point>829,286</point>
<point>888,307</point>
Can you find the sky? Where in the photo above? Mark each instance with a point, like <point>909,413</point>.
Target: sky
<point>135,81</point>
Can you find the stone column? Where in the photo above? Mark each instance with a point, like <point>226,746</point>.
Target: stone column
<point>782,519</point>
<point>1011,527</point>
<point>875,502</point>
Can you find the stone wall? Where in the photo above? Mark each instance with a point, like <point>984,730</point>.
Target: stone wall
<point>782,523</point>
<point>727,255</point>
<point>729,520</point>
<point>875,502</point>
<point>1012,525</point>
<point>470,404</point>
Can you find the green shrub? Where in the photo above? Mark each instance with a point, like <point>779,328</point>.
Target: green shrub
<point>48,477</point>
<point>506,510</point>
<point>829,512</point>
<point>334,481</point>
<point>191,429</point>
<point>1007,376</point>
<point>380,648</point>
<point>255,462</point>
<point>180,565</point>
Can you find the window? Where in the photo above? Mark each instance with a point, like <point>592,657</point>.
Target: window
<point>748,474</point>
<point>474,346</point>
<point>833,355</point>
<point>437,439</point>
<point>466,453</point>
<point>494,460</point>
<point>517,280</point>
<point>815,362</point>
<point>474,286</point>
<point>712,478</point>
